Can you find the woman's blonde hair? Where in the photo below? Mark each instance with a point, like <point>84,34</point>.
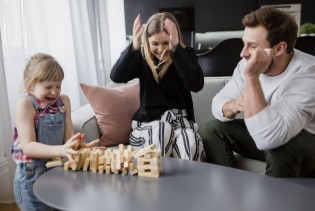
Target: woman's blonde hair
<point>155,25</point>
<point>41,67</point>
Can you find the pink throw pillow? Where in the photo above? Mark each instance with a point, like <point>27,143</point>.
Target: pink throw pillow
<point>113,108</point>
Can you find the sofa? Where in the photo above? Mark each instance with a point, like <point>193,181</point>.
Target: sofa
<point>84,119</point>
<point>209,40</point>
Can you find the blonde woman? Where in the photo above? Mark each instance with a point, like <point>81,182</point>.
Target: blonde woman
<point>167,71</point>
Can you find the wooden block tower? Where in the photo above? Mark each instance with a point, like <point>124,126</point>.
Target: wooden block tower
<point>149,161</point>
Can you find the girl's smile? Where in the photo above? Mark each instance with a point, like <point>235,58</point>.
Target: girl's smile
<point>159,46</point>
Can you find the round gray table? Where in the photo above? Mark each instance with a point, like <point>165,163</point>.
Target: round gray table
<point>183,185</point>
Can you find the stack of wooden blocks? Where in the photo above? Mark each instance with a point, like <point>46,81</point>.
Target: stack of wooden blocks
<point>120,160</point>
<point>149,161</point>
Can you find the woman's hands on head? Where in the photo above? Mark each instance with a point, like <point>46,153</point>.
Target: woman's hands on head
<point>169,26</point>
<point>137,33</point>
<point>171,29</point>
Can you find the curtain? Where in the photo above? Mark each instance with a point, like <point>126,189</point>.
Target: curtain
<point>7,165</point>
<point>77,33</point>
<point>15,62</point>
<point>65,29</point>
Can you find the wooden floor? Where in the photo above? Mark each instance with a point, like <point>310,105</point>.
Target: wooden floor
<point>9,207</point>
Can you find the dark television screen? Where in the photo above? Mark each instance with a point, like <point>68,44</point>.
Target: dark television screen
<point>184,15</point>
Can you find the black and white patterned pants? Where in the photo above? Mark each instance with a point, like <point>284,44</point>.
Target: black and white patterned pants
<point>173,133</point>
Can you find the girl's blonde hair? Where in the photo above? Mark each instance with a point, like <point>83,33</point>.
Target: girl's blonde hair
<point>155,25</point>
<point>41,67</point>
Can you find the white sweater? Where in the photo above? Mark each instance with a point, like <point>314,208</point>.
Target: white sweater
<point>290,98</point>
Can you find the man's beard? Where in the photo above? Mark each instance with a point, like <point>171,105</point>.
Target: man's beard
<point>269,68</point>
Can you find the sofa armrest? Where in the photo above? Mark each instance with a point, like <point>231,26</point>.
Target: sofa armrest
<point>84,121</point>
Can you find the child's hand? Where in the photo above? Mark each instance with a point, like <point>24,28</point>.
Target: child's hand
<point>82,144</point>
<point>171,29</point>
<point>92,143</point>
<point>137,33</point>
<point>68,149</point>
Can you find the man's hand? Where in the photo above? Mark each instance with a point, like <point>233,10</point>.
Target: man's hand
<point>233,107</point>
<point>238,105</point>
<point>259,62</point>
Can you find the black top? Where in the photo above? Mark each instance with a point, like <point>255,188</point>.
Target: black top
<point>172,91</point>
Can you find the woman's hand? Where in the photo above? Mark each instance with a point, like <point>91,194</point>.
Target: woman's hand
<point>171,29</point>
<point>137,33</point>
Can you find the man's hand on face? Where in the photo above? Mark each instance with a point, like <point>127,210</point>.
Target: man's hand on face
<point>258,62</point>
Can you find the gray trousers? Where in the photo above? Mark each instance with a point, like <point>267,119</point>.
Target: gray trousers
<point>293,159</point>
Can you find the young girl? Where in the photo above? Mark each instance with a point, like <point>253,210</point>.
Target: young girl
<point>43,124</point>
<point>167,72</point>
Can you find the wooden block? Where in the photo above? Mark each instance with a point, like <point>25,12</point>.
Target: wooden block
<point>148,156</point>
<point>140,170</point>
<point>148,167</point>
<point>112,167</point>
<point>121,149</point>
<point>131,155</point>
<point>145,161</point>
<point>129,148</point>
<point>126,155</point>
<point>148,174</point>
<point>122,158</point>
<point>118,162</point>
<point>94,161</point>
<point>54,163</point>
<point>73,166</point>
<point>107,169</point>
<point>134,171</point>
<point>156,153</point>
<point>66,165</point>
<point>131,166</point>
<point>108,152</point>
<point>101,169</point>
<point>86,164</point>
<point>84,153</point>
<point>144,151</point>
<point>124,171</point>
<point>108,160</point>
<point>155,171</point>
<point>101,160</point>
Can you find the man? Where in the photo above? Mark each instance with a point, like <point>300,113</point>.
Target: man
<point>274,87</point>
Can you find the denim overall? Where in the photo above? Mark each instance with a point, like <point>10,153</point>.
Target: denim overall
<point>49,130</point>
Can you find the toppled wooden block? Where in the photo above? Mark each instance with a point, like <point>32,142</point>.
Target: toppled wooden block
<point>54,162</point>
<point>118,161</point>
<point>144,150</point>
